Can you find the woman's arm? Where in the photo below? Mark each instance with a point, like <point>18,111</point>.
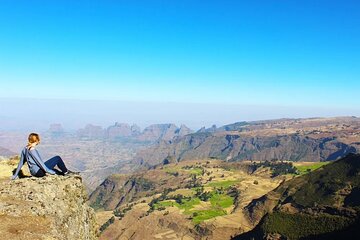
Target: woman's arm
<point>36,156</point>
<point>21,163</point>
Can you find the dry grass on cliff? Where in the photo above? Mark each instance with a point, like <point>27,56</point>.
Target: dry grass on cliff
<point>7,167</point>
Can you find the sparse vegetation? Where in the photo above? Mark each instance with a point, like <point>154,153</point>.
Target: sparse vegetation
<point>175,174</point>
<point>145,184</point>
<point>120,213</point>
<point>97,205</point>
<point>277,168</point>
<point>327,201</point>
<point>193,182</point>
<point>296,226</point>
<point>107,224</point>
<point>322,187</point>
<point>171,170</point>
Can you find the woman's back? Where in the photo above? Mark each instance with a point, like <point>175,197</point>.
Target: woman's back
<point>31,156</point>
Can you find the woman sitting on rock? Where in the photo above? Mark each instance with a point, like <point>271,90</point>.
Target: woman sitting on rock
<point>37,167</point>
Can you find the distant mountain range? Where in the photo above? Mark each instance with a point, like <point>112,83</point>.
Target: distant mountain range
<point>152,133</point>
<point>123,148</point>
<point>318,139</point>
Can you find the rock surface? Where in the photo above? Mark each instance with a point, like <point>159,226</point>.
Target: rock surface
<point>52,207</point>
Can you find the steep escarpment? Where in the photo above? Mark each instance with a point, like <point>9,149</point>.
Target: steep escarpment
<point>52,207</point>
<point>308,140</point>
<point>237,147</point>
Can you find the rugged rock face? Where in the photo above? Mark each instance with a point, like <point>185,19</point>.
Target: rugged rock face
<point>158,131</point>
<point>119,130</point>
<point>52,207</point>
<point>91,132</point>
<point>312,139</point>
<point>135,129</point>
<point>184,130</point>
<point>236,147</point>
<point>56,130</point>
<point>151,133</point>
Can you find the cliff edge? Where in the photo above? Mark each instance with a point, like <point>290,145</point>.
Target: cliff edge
<point>48,208</point>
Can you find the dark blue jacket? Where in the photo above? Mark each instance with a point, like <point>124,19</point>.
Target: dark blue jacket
<point>36,165</point>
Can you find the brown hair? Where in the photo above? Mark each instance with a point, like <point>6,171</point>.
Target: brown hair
<point>33,137</point>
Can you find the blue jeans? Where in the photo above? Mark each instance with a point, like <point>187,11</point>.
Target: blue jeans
<point>56,161</point>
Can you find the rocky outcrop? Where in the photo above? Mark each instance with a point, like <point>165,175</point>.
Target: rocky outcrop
<point>152,133</point>
<point>91,132</point>
<point>122,130</point>
<point>119,130</point>
<point>165,132</point>
<point>184,130</point>
<point>135,129</point>
<point>52,207</point>
<point>158,131</point>
<point>56,130</point>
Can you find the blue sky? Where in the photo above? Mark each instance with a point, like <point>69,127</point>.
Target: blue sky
<point>264,53</point>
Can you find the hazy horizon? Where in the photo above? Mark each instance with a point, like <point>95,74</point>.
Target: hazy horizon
<point>38,114</point>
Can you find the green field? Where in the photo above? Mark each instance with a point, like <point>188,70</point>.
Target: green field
<point>187,205</point>
<point>166,204</point>
<point>203,215</point>
<point>218,203</point>
<point>224,184</point>
<point>186,192</point>
<point>218,200</point>
<point>195,170</point>
<point>308,168</point>
<point>221,200</point>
